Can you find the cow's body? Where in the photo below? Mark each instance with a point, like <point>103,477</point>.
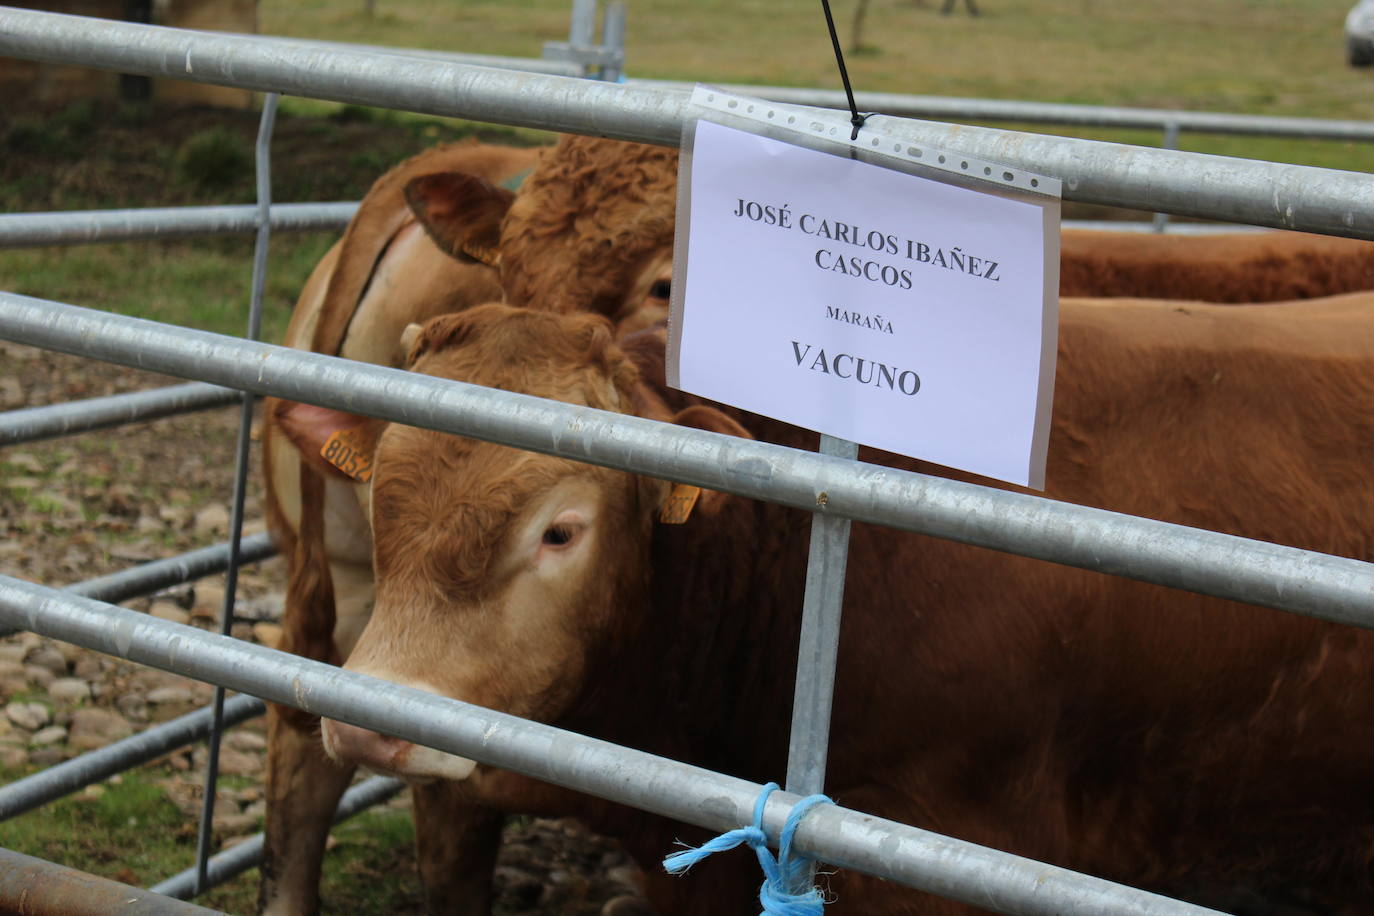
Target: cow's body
<point>1173,741</point>
<point>1230,267</point>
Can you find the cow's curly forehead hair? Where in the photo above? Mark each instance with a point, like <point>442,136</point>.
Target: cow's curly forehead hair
<point>442,504</point>
<point>585,222</point>
<point>570,358</point>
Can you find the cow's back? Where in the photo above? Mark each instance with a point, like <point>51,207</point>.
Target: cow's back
<point>1229,267</point>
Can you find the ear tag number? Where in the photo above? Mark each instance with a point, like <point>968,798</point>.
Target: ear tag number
<point>677,508</point>
<point>345,450</point>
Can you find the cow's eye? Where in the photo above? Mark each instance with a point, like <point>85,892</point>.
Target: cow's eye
<point>558,535</point>
<point>661,289</point>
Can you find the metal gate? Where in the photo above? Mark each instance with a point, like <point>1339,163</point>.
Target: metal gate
<point>1268,194</point>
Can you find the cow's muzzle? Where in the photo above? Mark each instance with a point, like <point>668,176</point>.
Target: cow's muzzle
<point>392,756</point>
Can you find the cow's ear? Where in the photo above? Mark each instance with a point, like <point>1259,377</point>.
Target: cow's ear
<point>334,443</point>
<point>461,212</point>
<point>681,501</point>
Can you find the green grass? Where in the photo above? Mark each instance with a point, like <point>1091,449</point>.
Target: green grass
<point>202,284</point>
<point>133,834</point>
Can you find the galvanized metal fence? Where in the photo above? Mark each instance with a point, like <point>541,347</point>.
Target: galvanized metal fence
<point>1213,187</point>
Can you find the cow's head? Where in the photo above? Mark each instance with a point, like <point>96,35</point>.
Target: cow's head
<point>505,577</point>
<point>590,229</point>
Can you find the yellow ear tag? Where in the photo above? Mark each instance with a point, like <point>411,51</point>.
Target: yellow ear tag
<point>677,508</point>
<point>345,450</point>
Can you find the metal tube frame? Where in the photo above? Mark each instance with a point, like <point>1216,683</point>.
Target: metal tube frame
<point>263,170</point>
<point>1169,181</point>
<point>83,227</point>
<point>1254,572</point>
<point>34,887</point>
<point>845,838</point>
<point>34,424</point>
<point>1010,111</point>
<point>824,586</point>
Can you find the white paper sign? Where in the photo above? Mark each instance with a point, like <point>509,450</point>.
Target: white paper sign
<point>869,304</point>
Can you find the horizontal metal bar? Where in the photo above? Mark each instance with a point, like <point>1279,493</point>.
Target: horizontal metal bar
<point>81,227</point>
<point>1189,558</point>
<point>949,867</point>
<point>248,854</point>
<point>1186,184</point>
<point>159,574</point>
<point>1013,111</point>
<point>64,778</point>
<point>33,887</point>
<point>1174,227</point>
<point>498,62</point>
<point>35,423</point>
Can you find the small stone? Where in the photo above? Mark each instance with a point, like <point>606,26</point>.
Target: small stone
<point>47,756</point>
<point>248,796</point>
<point>133,706</point>
<point>256,809</point>
<point>166,696</point>
<point>166,610</point>
<point>50,658</point>
<point>267,634</point>
<point>624,875</point>
<point>246,741</point>
<point>13,758</point>
<point>69,690</point>
<point>31,716</point>
<point>209,600</point>
<point>237,763</point>
<point>25,462</point>
<point>53,734</point>
<point>95,728</point>
<point>213,519</point>
<point>40,677</point>
<point>13,654</point>
<point>235,824</point>
<point>91,793</point>
<point>88,667</point>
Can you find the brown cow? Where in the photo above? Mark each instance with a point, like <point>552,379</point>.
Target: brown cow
<point>382,275</point>
<point>1195,746</point>
<point>1230,267</point>
<point>388,271</point>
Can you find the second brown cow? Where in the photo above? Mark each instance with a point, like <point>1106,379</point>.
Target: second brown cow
<point>1185,744</point>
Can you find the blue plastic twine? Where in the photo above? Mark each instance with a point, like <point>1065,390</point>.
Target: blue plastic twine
<point>780,874</point>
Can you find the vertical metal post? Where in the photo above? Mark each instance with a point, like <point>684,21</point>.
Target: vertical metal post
<point>613,40</point>
<point>820,637</point>
<point>1161,220</point>
<point>264,184</point>
<point>808,746</point>
<point>583,25</point>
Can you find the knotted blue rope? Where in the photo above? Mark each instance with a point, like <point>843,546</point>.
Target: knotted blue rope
<point>781,874</point>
